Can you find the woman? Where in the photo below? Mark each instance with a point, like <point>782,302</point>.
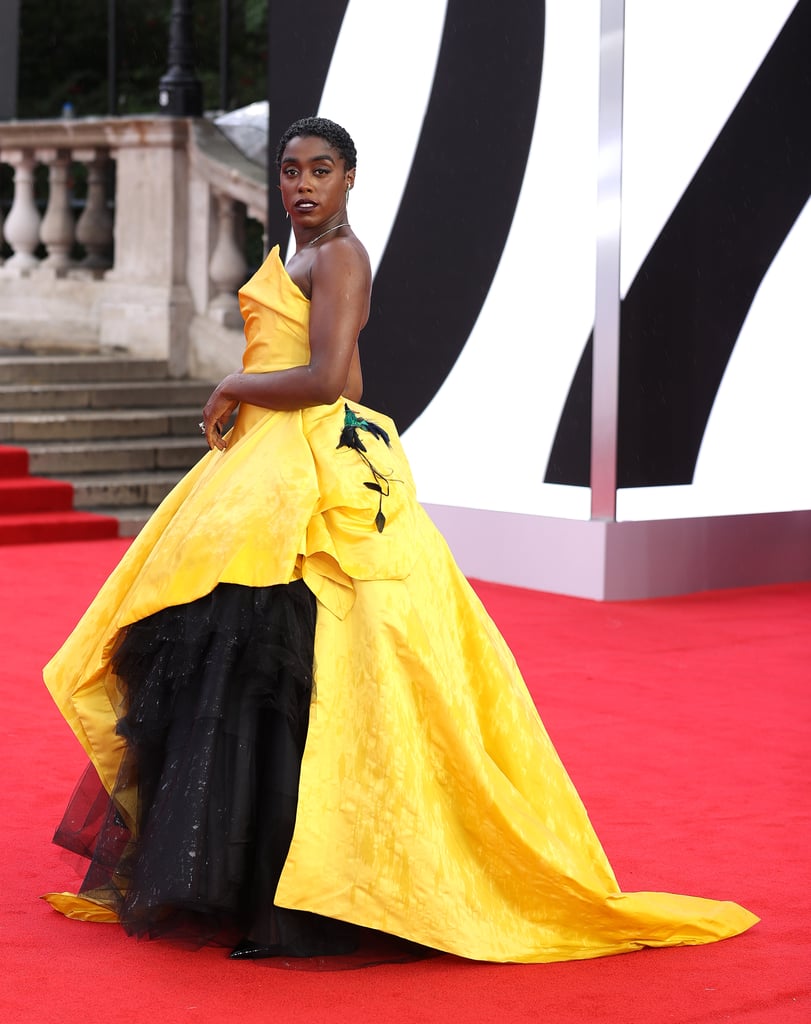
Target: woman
<point>289,589</point>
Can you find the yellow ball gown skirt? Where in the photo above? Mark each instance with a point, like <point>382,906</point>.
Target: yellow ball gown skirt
<point>431,803</point>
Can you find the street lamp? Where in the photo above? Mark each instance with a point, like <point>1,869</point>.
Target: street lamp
<point>179,91</point>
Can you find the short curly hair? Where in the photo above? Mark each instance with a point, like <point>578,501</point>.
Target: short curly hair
<point>321,128</point>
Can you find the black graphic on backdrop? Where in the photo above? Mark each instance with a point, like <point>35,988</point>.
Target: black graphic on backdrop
<point>685,308</point>
<point>300,48</point>
<point>461,194</point>
<point>458,203</point>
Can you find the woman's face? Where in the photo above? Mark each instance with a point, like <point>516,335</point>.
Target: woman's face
<point>313,180</point>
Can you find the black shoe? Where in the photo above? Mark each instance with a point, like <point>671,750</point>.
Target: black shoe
<point>249,950</point>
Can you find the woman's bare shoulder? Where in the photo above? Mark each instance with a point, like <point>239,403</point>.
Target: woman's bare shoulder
<point>331,262</point>
<point>344,251</point>
<point>341,264</point>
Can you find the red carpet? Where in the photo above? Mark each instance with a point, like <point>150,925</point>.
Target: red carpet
<point>35,510</point>
<point>684,722</point>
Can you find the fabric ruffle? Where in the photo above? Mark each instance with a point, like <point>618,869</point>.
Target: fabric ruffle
<point>217,697</point>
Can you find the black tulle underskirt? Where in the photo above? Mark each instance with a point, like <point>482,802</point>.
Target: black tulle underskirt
<point>216,704</point>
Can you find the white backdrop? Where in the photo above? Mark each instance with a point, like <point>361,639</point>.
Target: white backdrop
<point>686,66</point>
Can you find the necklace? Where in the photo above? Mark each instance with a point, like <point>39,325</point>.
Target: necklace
<point>335,228</point>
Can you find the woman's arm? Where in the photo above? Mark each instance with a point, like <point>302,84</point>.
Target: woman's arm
<point>340,280</point>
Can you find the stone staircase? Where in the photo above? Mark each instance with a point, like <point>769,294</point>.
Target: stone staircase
<point>118,428</point>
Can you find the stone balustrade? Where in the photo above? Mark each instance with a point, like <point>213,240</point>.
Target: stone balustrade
<point>152,263</point>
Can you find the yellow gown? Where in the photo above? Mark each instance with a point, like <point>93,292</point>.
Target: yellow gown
<point>432,804</point>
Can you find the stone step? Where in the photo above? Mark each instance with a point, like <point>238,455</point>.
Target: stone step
<point>113,395</point>
<point>124,456</point>
<point>114,491</point>
<point>108,424</point>
<point>131,520</point>
<point>47,368</point>
<point>119,429</point>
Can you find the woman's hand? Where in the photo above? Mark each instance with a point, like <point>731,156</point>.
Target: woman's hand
<point>216,414</point>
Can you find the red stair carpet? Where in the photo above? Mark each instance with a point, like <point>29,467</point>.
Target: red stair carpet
<point>33,509</point>
<point>684,722</point>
